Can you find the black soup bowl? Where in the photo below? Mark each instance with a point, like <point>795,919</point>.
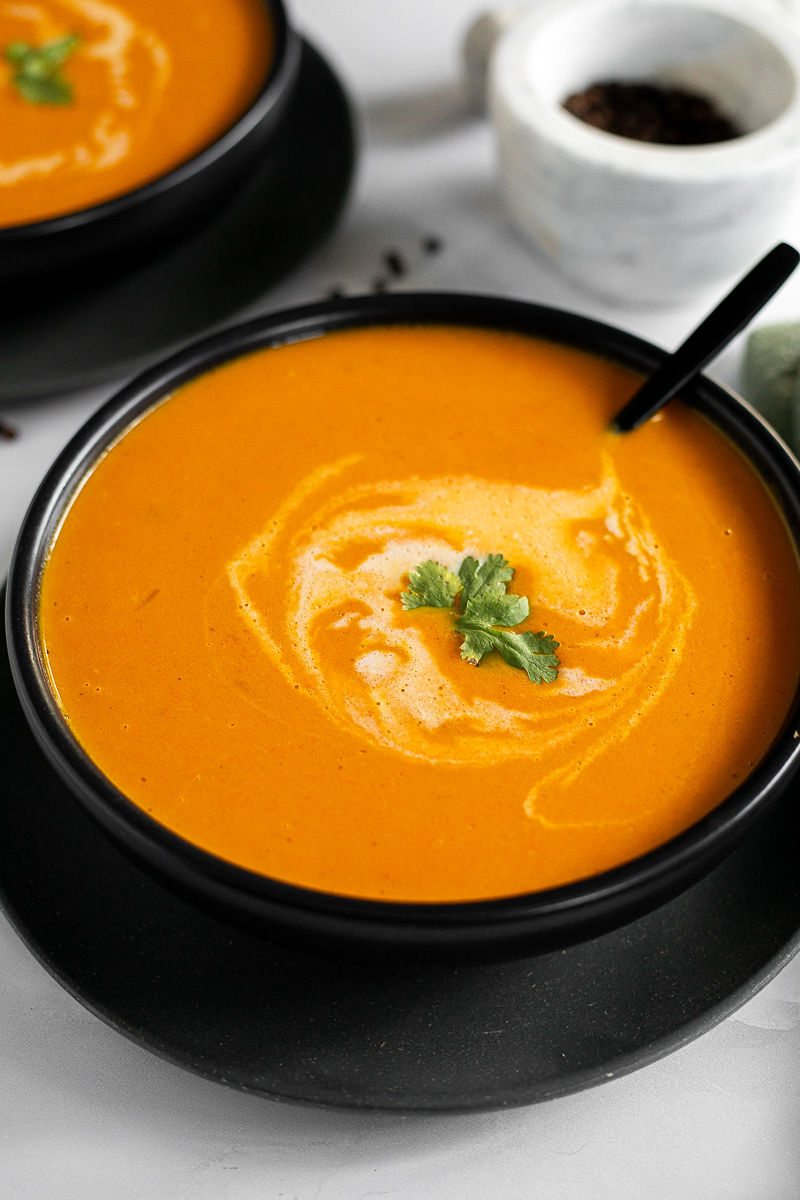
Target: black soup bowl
<point>59,256</point>
<point>480,930</point>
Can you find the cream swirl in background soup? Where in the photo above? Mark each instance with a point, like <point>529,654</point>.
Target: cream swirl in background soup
<point>112,40</point>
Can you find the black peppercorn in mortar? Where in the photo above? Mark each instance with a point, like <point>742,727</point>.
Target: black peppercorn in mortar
<point>646,112</point>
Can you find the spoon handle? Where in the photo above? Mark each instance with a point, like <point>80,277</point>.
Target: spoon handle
<point>729,317</point>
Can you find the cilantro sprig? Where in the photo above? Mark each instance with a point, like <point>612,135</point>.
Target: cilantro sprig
<point>484,605</point>
<point>37,69</point>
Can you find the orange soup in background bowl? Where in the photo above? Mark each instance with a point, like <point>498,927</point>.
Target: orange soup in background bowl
<point>127,122</point>
<point>357,623</point>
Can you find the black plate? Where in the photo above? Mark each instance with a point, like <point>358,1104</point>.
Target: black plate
<point>288,206</point>
<point>296,1027</point>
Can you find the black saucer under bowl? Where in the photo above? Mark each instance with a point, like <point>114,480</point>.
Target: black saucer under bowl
<point>291,1026</point>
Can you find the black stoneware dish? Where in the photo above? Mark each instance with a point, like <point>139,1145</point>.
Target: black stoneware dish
<point>75,250</point>
<point>486,929</point>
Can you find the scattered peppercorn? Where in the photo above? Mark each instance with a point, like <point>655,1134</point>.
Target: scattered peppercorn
<point>8,432</point>
<point>394,263</point>
<point>645,112</point>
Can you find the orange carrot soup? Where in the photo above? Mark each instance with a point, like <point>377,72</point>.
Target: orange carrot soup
<point>264,608</point>
<point>98,97</point>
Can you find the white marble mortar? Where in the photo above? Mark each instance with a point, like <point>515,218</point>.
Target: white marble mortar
<point>631,220</point>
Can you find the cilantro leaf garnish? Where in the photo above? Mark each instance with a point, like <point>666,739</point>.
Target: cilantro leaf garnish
<point>37,69</point>
<point>431,586</point>
<point>484,605</point>
<point>533,653</point>
<point>488,579</point>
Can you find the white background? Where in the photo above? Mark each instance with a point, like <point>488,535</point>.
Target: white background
<point>85,1114</point>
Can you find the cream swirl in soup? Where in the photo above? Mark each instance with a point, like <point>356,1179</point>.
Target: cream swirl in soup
<point>594,561</point>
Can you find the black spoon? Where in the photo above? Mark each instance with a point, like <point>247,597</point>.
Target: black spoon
<point>729,317</point>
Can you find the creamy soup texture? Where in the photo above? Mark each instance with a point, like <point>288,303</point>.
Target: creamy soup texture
<point>222,618</point>
<point>152,83</point>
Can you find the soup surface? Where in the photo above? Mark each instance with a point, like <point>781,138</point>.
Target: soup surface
<point>222,615</point>
<point>149,84</point>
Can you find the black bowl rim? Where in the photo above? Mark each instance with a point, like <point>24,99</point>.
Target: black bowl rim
<point>280,76</point>
<point>630,886</point>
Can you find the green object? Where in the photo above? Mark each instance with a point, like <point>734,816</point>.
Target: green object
<point>482,581</point>
<point>431,585</point>
<point>770,371</point>
<point>37,69</point>
<point>534,653</point>
<point>484,605</point>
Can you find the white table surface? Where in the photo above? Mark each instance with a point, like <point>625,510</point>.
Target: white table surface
<point>86,1114</point>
